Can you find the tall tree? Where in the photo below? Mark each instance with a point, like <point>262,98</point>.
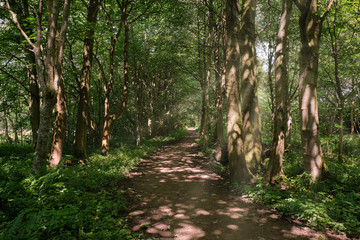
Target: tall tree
<point>206,80</point>
<point>281,94</point>
<point>236,158</point>
<point>220,81</point>
<point>110,118</point>
<point>340,33</point>
<point>310,25</point>
<point>23,11</point>
<point>49,79</point>
<point>251,133</point>
<point>60,121</point>
<point>79,148</point>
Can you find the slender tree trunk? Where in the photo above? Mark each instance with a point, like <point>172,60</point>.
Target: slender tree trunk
<point>270,77</point>
<point>60,121</point>
<point>352,113</point>
<point>79,148</point>
<point>220,76</point>
<point>310,24</point>
<point>357,122</point>
<point>8,139</point>
<point>201,75</point>
<point>335,48</point>
<point>238,172</point>
<point>34,99</point>
<point>15,128</point>
<point>110,118</point>
<point>140,109</point>
<point>207,56</point>
<point>22,10</point>
<point>281,95</point>
<point>248,92</point>
<point>151,107</point>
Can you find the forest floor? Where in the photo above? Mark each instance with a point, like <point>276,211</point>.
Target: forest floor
<point>173,194</point>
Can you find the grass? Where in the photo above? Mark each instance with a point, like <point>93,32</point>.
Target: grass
<point>83,201</point>
<point>332,203</point>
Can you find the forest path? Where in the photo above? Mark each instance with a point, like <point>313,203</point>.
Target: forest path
<point>173,195</point>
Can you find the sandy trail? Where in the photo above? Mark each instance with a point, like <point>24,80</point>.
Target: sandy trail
<point>173,195</point>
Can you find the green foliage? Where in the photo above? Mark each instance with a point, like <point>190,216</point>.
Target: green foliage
<point>83,201</point>
<point>333,202</point>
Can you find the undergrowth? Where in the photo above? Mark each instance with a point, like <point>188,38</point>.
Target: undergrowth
<point>82,201</point>
<point>331,203</point>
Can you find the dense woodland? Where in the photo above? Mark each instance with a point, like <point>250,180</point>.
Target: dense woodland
<point>88,86</point>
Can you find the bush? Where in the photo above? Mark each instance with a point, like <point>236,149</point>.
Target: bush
<point>333,202</point>
<point>71,202</point>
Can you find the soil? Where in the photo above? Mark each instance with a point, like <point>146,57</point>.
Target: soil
<point>173,194</point>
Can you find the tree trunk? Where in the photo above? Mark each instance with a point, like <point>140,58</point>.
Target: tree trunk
<point>238,172</point>
<point>8,139</point>
<point>352,113</point>
<point>110,118</point>
<point>206,89</point>
<point>60,121</point>
<point>281,95</point>
<point>79,148</point>
<point>270,77</point>
<point>201,68</point>
<point>48,87</point>
<point>338,88</point>
<point>15,128</point>
<point>22,10</point>
<point>310,24</point>
<point>42,146</point>
<point>140,109</point>
<point>60,126</point>
<point>34,99</point>
<point>220,77</point>
<point>248,92</point>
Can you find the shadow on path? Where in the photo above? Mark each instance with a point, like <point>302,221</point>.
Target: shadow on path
<point>173,195</point>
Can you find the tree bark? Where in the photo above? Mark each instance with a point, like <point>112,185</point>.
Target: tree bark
<point>79,148</point>
<point>238,170</point>
<point>206,86</point>
<point>109,118</point>
<point>8,139</point>
<point>248,92</point>
<point>310,24</point>
<point>338,88</point>
<point>34,99</point>
<point>220,81</point>
<point>281,95</point>
<point>22,10</point>
<point>60,121</point>
<point>48,87</point>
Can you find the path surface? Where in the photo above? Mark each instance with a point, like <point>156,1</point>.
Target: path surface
<point>173,195</point>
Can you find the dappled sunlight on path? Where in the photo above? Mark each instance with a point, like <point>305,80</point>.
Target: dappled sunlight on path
<point>173,195</point>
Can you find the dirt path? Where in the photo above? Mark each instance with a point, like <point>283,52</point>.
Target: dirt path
<point>174,196</point>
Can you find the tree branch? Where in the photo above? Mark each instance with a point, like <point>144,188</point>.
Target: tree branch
<point>17,24</point>
<point>14,78</point>
<point>143,13</point>
<point>327,10</point>
<point>299,5</point>
<point>263,29</point>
